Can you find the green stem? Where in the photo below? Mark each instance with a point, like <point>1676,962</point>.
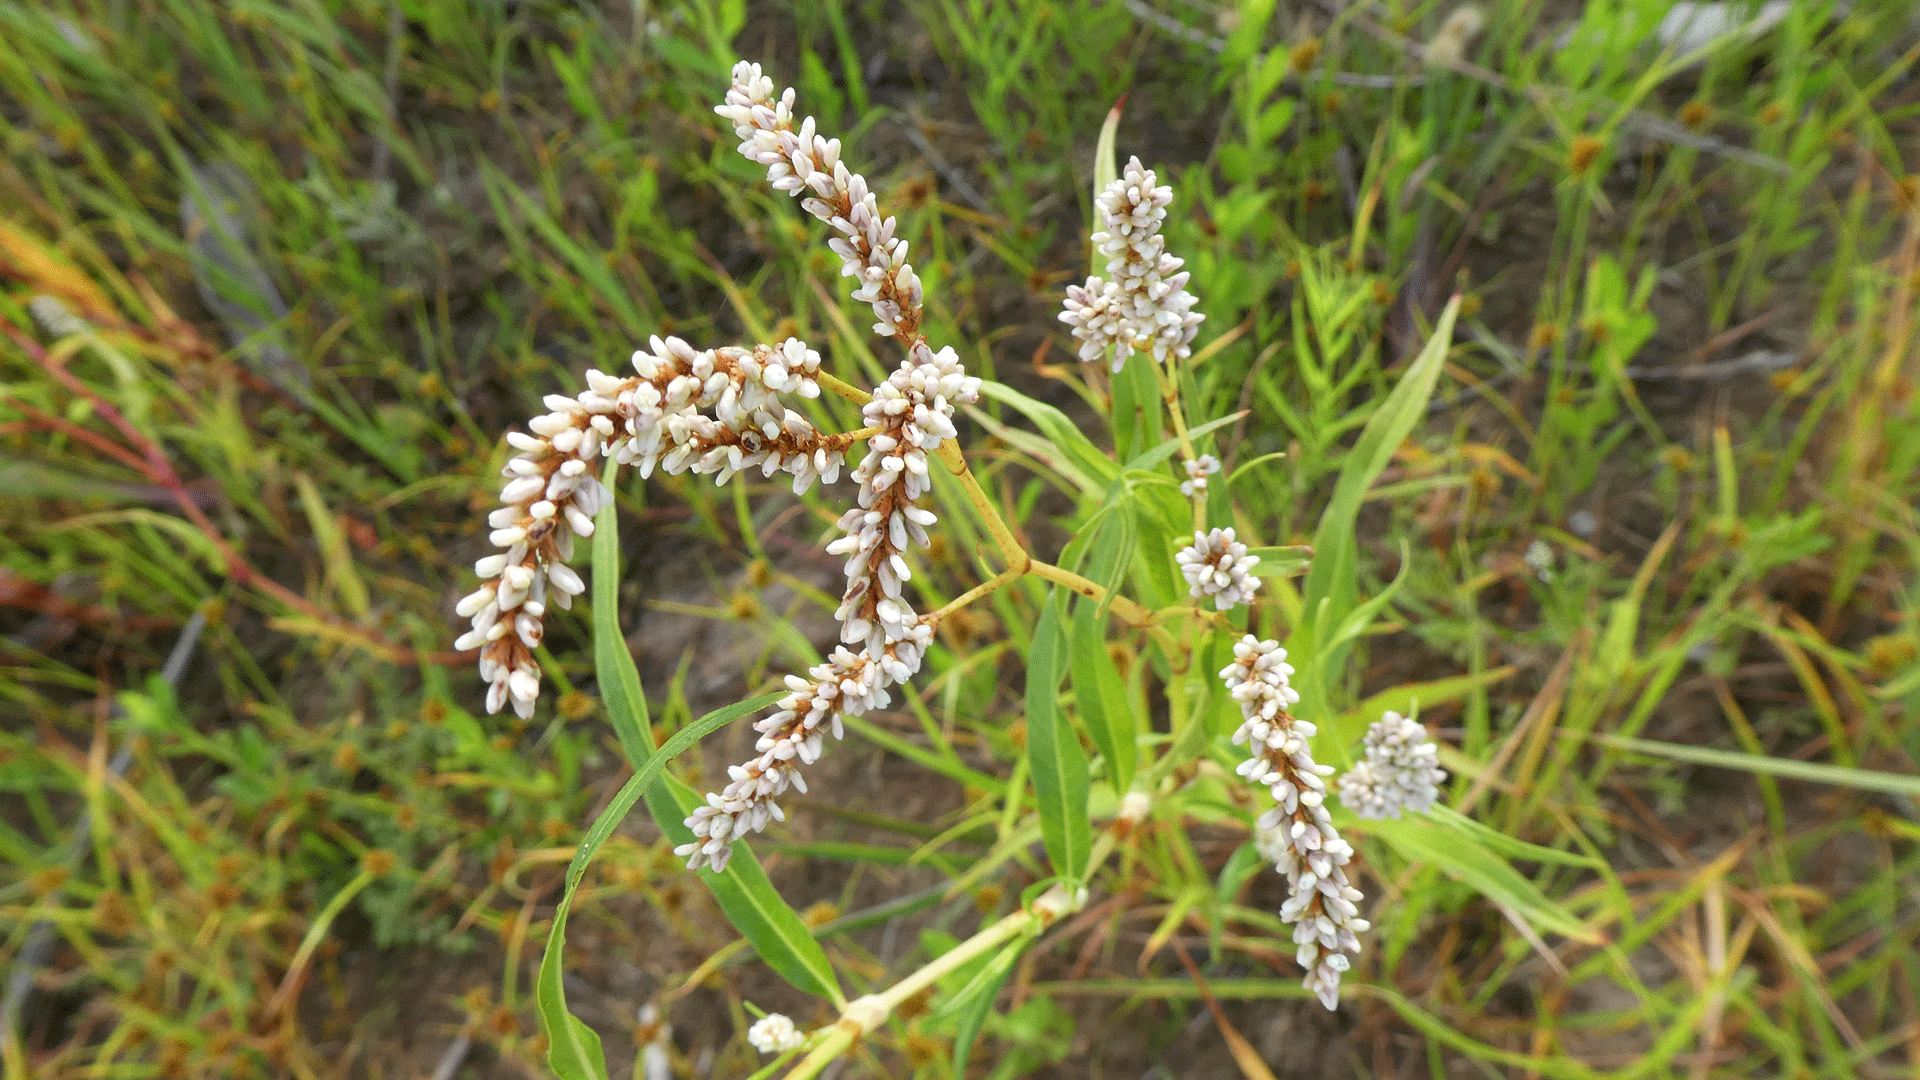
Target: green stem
<point>1133,613</point>
<point>316,933</point>
<point>1011,549</point>
<point>1019,560</point>
<point>846,390</point>
<point>1170,397</point>
<point>975,593</point>
<point>865,1014</point>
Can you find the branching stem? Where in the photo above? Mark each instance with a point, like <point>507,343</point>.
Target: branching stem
<point>846,390</point>
<point>1011,550</point>
<point>867,1013</point>
<point>992,584</point>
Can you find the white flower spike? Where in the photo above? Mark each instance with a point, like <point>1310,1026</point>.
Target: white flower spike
<point>803,162</point>
<point>1143,304</point>
<point>884,639</point>
<point>716,412</point>
<point>1298,834</point>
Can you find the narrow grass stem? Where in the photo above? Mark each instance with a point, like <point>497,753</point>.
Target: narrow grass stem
<point>159,470</point>
<point>316,933</point>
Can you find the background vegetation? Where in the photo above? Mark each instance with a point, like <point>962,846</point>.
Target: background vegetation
<point>1656,540</point>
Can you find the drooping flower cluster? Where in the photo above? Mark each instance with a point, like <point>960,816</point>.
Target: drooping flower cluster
<point>805,161</point>
<point>911,414</point>
<point>1297,834</point>
<point>1218,565</point>
<point>1197,472</point>
<point>1401,770</point>
<point>914,410</point>
<point>774,1033</point>
<point>715,412</point>
<point>1143,304</point>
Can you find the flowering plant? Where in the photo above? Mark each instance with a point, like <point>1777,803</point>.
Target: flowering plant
<point>723,412</point>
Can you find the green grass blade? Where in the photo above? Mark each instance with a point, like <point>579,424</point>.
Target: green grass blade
<point>1506,846</point>
<point>1333,579</point>
<point>1811,771</point>
<point>1461,855</point>
<point>974,1002</point>
<point>1412,697</point>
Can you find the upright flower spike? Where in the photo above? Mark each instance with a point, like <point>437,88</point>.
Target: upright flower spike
<point>1401,770</point>
<point>1298,834</point>
<point>914,410</point>
<point>715,413</point>
<point>883,638</point>
<point>1143,304</point>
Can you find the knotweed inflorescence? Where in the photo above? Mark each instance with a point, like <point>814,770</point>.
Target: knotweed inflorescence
<point>722,412</point>
<point>1301,839</point>
<point>1143,305</point>
<point>718,412</point>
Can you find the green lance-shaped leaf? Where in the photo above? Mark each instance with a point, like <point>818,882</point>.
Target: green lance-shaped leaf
<point>1168,447</point>
<point>1098,688</point>
<point>974,1002</point>
<point>751,903</point>
<point>749,900</point>
<point>573,1048</point>
<point>619,680</point>
<point>1097,468</point>
<point>1106,158</point>
<point>1054,757</point>
<point>1136,407</point>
